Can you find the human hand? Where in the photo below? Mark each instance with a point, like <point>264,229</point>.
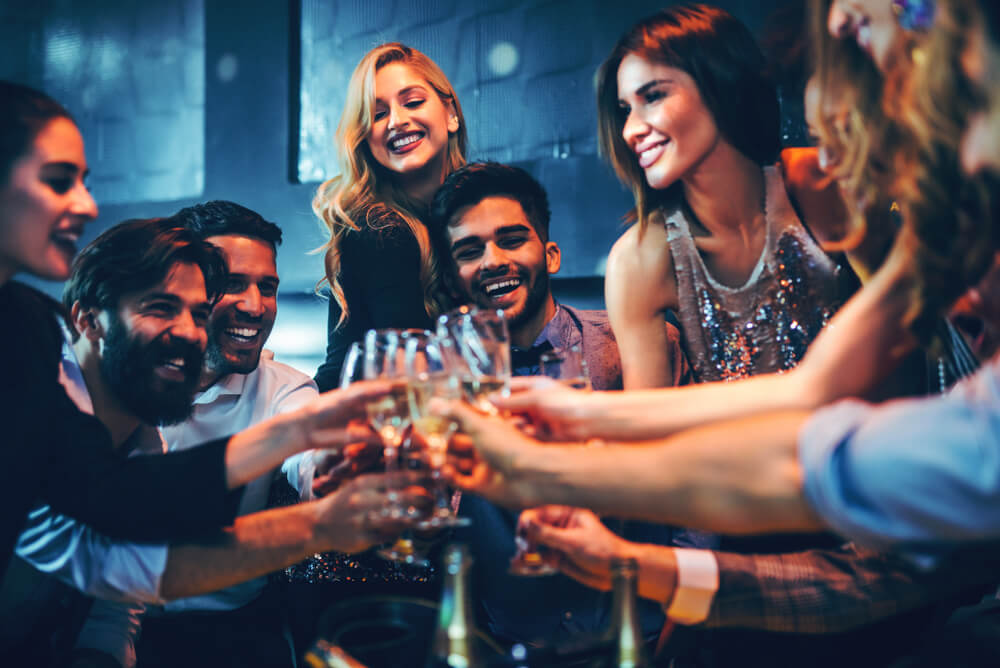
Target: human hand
<point>482,452</point>
<point>339,417</point>
<point>351,518</point>
<point>332,468</point>
<point>582,547</point>
<point>578,542</point>
<point>555,411</point>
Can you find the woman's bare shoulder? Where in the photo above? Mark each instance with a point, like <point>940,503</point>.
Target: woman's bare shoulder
<point>640,263</point>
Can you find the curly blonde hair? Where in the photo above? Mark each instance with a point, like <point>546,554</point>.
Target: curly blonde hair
<point>364,192</point>
<point>900,136</point>
<point>853,125</point>
<point>949,212</point>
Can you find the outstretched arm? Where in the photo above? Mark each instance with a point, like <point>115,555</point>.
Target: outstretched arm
<point>812,591</point>
<point>860,347</point>
<point>331,421</point>
<point>737,477</point>
<point>263,542</point>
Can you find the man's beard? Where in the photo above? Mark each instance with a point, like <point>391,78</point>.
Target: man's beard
<point>127,366</point>
<point>535,301</point>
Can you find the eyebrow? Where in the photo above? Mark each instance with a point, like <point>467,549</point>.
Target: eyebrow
<point>504,229</point>
<point>641,90</point>
<point>405,91</point>
<point>269,278</point>
<point>173,299</point>
<point>65,165</point>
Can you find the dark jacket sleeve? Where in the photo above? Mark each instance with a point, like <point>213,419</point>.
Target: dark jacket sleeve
<point>380,275</point>
<point>65,458</point>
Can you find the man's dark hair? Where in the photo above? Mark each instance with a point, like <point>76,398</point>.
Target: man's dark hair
<point>223,217</point>
<point>23,113</point>
<point>475,182</point>
<point>136,255</point>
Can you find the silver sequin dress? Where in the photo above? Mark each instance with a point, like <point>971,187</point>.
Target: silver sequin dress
<point>764,325</point>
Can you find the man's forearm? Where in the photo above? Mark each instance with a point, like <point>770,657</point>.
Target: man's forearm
<point>736,477</point>
<point>255,545</point>
<point>261,448</point>
<point>659,413</point>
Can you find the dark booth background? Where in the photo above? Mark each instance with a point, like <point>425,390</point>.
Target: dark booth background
<point>183,101</point>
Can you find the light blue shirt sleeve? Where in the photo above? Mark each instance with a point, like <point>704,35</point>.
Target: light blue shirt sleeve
<point>916,475</point>
<point>89,561</point>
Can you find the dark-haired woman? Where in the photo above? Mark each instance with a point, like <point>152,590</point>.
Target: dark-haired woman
<point>691,125</point>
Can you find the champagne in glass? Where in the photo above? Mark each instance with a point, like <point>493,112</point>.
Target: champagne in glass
<point>481,346</point>
<point>383,358</point>
<point>428,368</point>
<point>567,366</point>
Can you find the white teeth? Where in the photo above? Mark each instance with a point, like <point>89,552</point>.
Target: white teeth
<point>67,235</point>
<point>242,332</point>
<point>177,363</point>
<point>399,143</point>
<point>494,287</point>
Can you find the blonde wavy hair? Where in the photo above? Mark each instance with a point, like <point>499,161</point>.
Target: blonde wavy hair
<point>854,127</point>
<point>364,192</point>
<point>950,213</point>
<point>899,139</point>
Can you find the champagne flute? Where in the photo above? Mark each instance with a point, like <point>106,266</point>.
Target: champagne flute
<point>354,365</point>
<point>429,374</point>
<point>384,357</point>
<point>566,365</point>
<point>482,352</point>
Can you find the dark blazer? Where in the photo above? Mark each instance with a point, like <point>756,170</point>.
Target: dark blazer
<point>52,453</point>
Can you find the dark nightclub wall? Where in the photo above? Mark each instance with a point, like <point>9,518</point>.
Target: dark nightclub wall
<point>188,100</point>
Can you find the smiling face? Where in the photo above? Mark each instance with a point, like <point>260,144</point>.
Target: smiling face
<point>870,23</point>
<point>154,346</point>
<point>666,124</point>
<point>411,123</point>
<point>44,205</point>
<point>243,317</point>
<point>502,263</point>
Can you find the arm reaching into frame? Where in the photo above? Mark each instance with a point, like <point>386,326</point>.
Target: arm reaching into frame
<point>345,520</point>
<point>739,477</point>
<point>861,346</point>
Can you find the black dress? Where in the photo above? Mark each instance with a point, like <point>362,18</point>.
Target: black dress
<point>52,453</point>
<point>380,274</point>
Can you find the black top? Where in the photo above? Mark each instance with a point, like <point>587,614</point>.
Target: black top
<point>380,274</point>
<point>53,453</point>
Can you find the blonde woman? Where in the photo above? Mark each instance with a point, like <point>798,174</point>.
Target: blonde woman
<point>401,133</point>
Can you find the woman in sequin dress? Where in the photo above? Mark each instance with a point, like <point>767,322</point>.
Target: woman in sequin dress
<point>691,125</point>
<point>878,327</point>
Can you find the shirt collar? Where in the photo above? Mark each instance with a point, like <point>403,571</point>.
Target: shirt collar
<point>560,331</point>
<point>229,385</point>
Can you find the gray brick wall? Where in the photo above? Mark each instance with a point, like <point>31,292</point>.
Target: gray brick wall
<point>133,74</point>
